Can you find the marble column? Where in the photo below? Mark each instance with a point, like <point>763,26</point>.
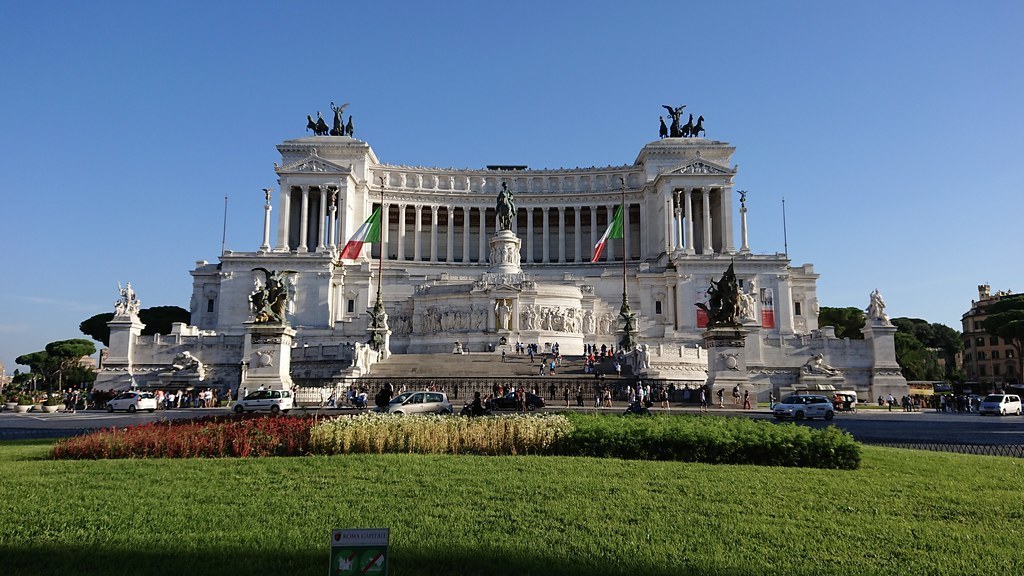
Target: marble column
<point>321,237</point>
<point>385,233</point>
<point>265,247</point>
<point>609,247</point>
<point>304,220</point>
<point>465,230</point>
<point>401,228</point>
<point>450,244</point>
<point>545,240</point>
<point>433,233</point>
<point>529,235</point>
<point>679,221</point>
<point>417,242</point>
<point>593,230</point>
<point>334,223</point>
<point>745,248</point>
<point>577,235</point>
<point>482,259</point>
<point>706,210</point>
<point>627,241</point>
<point>283,225</point>
<point>688,229</point>
<point>561,234</point>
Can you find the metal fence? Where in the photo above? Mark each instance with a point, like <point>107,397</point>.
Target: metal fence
<point>1011,450</point>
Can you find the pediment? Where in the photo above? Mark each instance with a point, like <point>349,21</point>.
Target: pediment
<point>701,166</point>
<point>312,164</point>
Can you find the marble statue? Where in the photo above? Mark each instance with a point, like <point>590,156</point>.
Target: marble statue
<point>876,308</point>
<point>504,311</point>
<point>187,363</point>
<point>816,366</point>
<point>128,304</point>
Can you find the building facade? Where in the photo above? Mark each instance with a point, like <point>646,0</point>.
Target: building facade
<point>988,360</point>
<point>444,279</point>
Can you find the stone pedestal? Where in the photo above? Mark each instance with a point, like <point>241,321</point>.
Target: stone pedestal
<point>267,356</point>
<point>124,331</point>
<point>504,253</point>
<point>886,375</point>
<point>727,359</point>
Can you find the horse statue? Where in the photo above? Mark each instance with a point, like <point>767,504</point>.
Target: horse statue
<point>310,124</point>
<point>339,123</point>
<point>723,305</point>
<point>506,208</point>
<point>674,130</point>
<point>698,127</point>
<point>662,130</point>
<point>685,130</point>
<point>321,126</point>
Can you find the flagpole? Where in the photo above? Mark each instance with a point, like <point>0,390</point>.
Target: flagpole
<point>378,316</point>
<point>625,313</point>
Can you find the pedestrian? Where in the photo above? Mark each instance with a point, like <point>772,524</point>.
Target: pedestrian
<point>579,396</point>
<point>771,400</point>
<point>721,397</point>
<point>703,399</point>
<point>746,399</point>
<point>502,355</point>
<point>736,395</point>
<point>566,394</point>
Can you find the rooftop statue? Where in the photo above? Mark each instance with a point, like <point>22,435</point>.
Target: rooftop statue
<point>876,308</point>
<point>128,303</point>
<point>506,208</point>
<point>269,301</point>
<point>674,130</point>
<point>339,124</point>
<point>723,301</point>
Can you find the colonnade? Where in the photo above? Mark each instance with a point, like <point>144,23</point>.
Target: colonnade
<point>704,229</point>
<point>308,220</point>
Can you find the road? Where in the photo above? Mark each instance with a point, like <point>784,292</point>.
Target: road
<point>870,426</point>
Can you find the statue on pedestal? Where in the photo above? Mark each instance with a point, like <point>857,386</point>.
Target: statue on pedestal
<point>506,208</point>
<point>186,363</point>
<point>504,311</point>
<point>269,301</point>
<point>876,308</point>
<point>816,366</point>
<point>128,304</point>
<point>723,305</point>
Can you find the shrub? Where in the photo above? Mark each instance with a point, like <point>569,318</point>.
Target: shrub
<point>379,433</point>
<point>716,440</point>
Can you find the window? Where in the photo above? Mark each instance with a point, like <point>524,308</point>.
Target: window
<point>981,355</point>
<point>981,371</point>
<point>796,308</point>
<point>995,354</point>
<point>351,305</point>
<point>979,341</point>
<point>967,342</point>
<point>1009,353</point>
<point>657,307</point>
<point>967,357</point>
<point>995,369</point>
<point>993,340</point>
<point>209,304</point>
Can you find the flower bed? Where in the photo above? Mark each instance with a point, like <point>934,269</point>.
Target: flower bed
<point>211,437</point>
<point>379,433</point>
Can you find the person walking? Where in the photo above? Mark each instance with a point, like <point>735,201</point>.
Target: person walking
<point>746,399</point>
<point>703,399</point>
<point>721,397</point>
<point>566,394</point>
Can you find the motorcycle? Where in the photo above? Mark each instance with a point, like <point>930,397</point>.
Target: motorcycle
<point>637,409</point>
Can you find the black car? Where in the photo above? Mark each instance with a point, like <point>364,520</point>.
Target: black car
<point>508,402</point>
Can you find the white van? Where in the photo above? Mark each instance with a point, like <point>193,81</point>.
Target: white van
<point>1001,404</point>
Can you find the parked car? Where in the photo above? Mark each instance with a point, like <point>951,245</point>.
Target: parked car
<point>1001,404</point>
<point>132,401</point>
<point>276,401</point>
<point>420,402</point>
<point>508,402</point>
<point>800,406</point>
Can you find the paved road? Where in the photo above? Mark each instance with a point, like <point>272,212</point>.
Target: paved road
<point>872,426</point>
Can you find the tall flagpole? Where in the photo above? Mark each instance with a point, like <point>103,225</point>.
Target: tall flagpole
<point>628,318</point>
<point>379,332</point>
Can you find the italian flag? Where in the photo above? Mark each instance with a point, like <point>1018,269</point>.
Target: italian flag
<point>368,233</point>
<point>614,231</point>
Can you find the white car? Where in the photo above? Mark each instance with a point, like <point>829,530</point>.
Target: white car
<point>132,401</point>
<point>420,402</point>
<point>276,401</point>
<point>1001,404</point>
<point>800,406</point>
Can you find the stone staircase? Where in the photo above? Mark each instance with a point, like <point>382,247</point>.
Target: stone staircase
<point>480,365</point>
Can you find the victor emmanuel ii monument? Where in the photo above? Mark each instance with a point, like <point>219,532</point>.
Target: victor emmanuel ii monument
<point>433,259</point>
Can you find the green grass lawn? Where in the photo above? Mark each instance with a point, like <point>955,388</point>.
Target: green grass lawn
<point>902,512</point>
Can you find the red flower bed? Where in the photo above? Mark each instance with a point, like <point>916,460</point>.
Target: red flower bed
<point>210,437</point>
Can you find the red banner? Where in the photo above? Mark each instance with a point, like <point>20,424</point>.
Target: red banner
<point>767,308</point>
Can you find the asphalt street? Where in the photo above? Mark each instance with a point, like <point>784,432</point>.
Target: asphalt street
<point>870,426</point>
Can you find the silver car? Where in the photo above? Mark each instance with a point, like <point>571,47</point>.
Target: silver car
<point>420,402</point>
<point>800,406</point>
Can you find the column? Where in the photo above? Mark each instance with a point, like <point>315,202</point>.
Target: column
<point>745,248</point>
<point>529,235</point>
<point>265,247</point>
<point>334,223</point>
<point>482,259</point>
<point>321,237</point>
<point>282,222</point>
<point>678,228</point>
<point>688,206</point>
<point>545,251</point>
<point>670,224</point>
<point>401,227</point>
<point>609,247</point>
<point>465,231</point>
<point>304,220</point>
<point>561,234</point>
<point>451,229</point>
<point>578,255</point>
<point>417,243</point>
<point>706,210</point>
<point>627,242</point>
<point>593,230</point>
<point>433,233</point>
<point>726,218</point>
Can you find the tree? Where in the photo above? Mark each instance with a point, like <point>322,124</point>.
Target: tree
<point>1006,320</point>
<point>847,321</point>
<point>919,346</point>
<point>157,319</point>
<point>68,354</point>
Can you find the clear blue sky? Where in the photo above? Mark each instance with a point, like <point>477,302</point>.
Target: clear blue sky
<point>892,129</point>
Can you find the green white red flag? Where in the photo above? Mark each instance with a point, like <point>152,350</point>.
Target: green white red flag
<point>368,233</point>
<point>614,231</point>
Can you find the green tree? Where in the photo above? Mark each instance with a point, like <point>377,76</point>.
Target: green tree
<point>68,354</point>
<point>157,319</point>
<point>847,321</point>
<point>43,366</point>
<point>1006,320</point>
<point>919,346</point>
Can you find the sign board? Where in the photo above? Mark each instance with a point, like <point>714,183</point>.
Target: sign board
<point>362,551</point>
